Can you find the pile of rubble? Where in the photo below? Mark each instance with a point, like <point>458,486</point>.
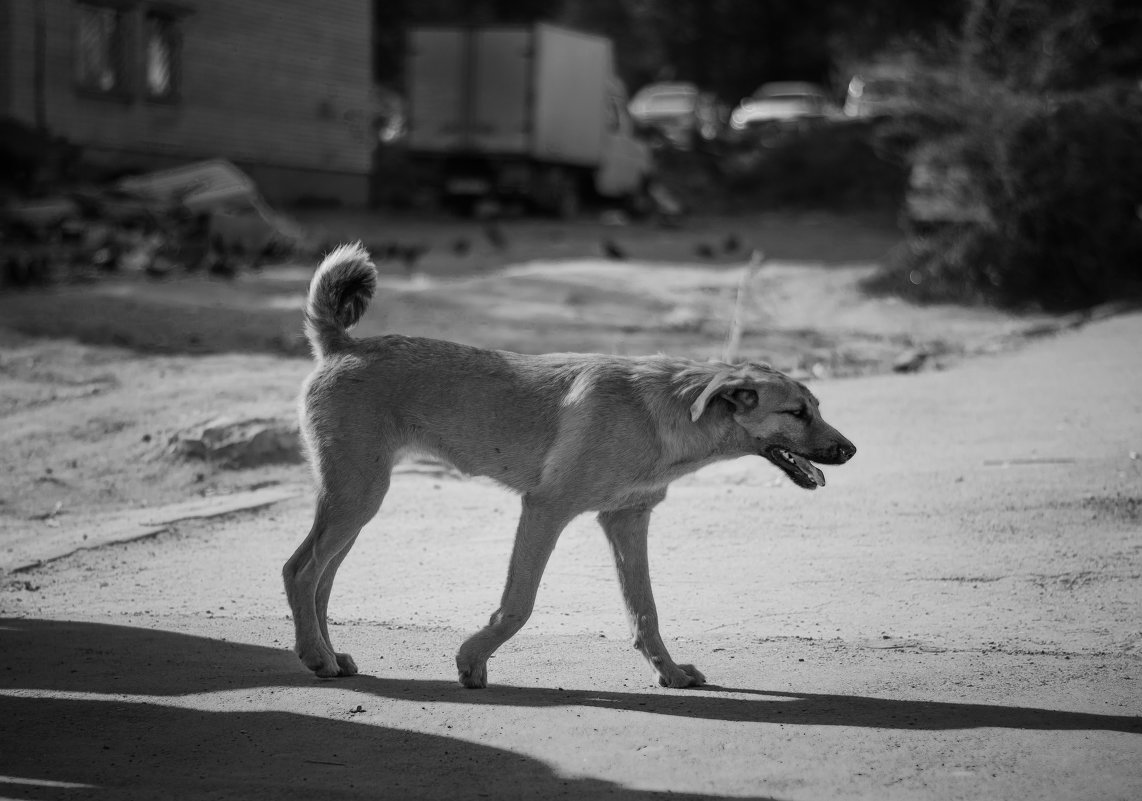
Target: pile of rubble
<point>204,216</point>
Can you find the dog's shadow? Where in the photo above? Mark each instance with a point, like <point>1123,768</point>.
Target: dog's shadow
<point>70,698</point>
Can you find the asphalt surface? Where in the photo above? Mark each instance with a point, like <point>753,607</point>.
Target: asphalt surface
<point>956,615</point>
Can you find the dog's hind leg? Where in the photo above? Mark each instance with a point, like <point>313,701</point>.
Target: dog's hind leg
<point>342,510</point>
<point>539,527</point>
<point>324,588</point>
<point>626,531</point>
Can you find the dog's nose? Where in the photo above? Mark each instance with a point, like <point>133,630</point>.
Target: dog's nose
<point>845,450</point>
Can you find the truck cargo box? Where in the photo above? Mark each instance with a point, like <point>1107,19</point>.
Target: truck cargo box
<point>538,91</point>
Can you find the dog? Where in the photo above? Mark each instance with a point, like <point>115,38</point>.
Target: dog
<point>571,433</point>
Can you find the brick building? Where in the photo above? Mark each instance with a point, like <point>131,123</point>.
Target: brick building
<point>281,87</point>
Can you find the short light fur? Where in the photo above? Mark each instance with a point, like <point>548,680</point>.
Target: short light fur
<point>571,433</point>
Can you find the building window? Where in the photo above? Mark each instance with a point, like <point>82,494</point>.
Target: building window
<point>102,49</point>
<point>162,56</point>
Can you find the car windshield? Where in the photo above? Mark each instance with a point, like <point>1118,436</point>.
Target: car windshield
<point>674,103</point>
<point>884,88</point>
<point>788,98</point>
<point>785,92</point>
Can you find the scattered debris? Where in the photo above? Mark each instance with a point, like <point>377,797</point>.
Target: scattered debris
<point>614,218</point>
<point>612,251</point>
<point>203,215</point>
<point>495,236</point>
<point>666,205</point>
<point>410,255</point>
<point>201,186</point>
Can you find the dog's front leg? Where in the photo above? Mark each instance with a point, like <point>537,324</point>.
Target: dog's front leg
<point>539,527</point>
<point>626,530</point>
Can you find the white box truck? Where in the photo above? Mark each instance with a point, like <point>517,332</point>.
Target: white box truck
<point>532,113</point>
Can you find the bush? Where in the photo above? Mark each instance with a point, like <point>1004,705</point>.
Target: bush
<point>1060,180</point>
<point>829,166</point>
<point>832,166</point>
<point>1066,202</point>
<point>1021,194</point>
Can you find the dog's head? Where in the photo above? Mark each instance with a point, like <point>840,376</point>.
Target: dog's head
<point>778,418</point>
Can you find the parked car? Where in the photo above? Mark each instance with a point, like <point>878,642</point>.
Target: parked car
<point>678,114</point>
<point>782,104</point>
<point>878,92</point>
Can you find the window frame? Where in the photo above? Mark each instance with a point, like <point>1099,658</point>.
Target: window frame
<point>171,17</point>
<point>134,17</point>
<point>123,90</point>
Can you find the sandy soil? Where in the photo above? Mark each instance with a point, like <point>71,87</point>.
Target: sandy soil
<point>955,616</point>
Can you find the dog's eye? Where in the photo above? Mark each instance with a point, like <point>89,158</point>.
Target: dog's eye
<point>800,413</point>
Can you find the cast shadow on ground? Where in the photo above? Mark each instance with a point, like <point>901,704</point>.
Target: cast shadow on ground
<point>124,747</point>
<point>73,725</point>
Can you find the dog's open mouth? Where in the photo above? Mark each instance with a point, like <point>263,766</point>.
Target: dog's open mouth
<point>804,473</point>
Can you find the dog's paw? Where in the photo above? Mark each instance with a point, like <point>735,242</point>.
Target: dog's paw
<point>325,666</point>
<point>682,676</point>
<point>346,664</point>
<point>474,677</point>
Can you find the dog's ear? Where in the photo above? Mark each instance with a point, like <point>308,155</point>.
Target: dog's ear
<point>729,386</point>
<point>743,399</point>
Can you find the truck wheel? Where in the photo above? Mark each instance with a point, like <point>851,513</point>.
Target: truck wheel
<point>461,205</point>
<point>639,203</point>
<point>565,196</point>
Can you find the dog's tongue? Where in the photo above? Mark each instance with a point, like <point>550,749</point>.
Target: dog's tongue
<point>809,469</point>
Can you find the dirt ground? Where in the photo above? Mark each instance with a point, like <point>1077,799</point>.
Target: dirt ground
<point>956,615</point>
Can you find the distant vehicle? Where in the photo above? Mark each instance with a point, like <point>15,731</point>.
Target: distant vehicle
<point>878,92</point>
<point>783,103</point>
<point>533,113</point>
<point>679,113</point>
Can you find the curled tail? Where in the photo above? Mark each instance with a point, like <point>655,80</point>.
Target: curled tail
<point>338,295</point>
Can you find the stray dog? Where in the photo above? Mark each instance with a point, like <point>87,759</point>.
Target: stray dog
<point>570,432</point>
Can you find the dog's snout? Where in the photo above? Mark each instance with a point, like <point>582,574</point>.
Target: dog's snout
<point>845,451</point>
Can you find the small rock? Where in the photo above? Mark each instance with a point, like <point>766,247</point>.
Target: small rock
<point>242,443</point>
<point>909,361</point>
